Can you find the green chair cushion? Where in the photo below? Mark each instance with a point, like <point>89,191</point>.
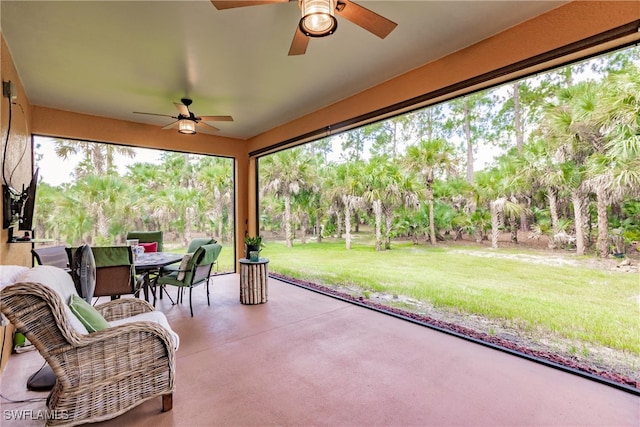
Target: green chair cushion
<point>194,244</point>
<point>108,256</point>
<point>112,256</point>
<point>87,314</point>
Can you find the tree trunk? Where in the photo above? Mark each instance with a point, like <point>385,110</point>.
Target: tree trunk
<point>304,226</point>
<point>432,226</point>
<point>517,120</point>
<point>577,198</point>
<point>467,133</point>
<point>603,222</point>
<point>102,223</point>
<point>513,228</point>
<point>347,221</point>
<point>287,220</point>
<point>552,196</point>
<point>189,215</point>
<point>338,225</point>
<point>318,229</point>
<point>388,217</point>
<point>497,220</point>
<point>524,215</point>
<point>377,210</point>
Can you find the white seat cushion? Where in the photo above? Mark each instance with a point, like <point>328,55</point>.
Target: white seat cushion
<point>151,316</point>
<point>9,273</point>
<point>60,282</point>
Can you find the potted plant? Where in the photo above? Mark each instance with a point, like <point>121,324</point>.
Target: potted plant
<point>252,244</point>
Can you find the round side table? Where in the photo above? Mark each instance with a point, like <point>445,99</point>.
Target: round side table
<point>253,280</point>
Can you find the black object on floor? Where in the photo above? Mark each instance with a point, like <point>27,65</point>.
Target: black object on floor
<point>42,380</point>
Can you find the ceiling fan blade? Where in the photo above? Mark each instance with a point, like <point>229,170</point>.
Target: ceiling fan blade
<point>299,43</point>
<point>231,4</point>
<point>182,109</point>
<point>365,18</point>
<point>153,114</point>
<point>171,125</point>
<point>216,118</point>
<point>207,125</point>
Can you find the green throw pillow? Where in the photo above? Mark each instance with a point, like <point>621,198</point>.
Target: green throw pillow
<point>87,315</point>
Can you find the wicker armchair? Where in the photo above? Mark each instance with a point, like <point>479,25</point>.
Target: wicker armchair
<point>99,375</point>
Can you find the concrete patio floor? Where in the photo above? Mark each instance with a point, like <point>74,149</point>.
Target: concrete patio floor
<point>304,359</point>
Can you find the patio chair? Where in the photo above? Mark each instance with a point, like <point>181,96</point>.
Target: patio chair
<point>51,255</point>
<point>194,270</point>
<point>194,244</point>
<point>98,375</point>
<point>115,271</point>
<point>147,237</point>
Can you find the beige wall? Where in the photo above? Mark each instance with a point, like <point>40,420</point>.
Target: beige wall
<point>19,157</point>
<point>561,27</point>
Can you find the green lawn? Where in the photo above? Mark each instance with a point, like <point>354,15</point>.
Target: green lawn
<point>579,303</point>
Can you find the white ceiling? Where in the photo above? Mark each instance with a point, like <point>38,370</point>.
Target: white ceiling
<point>110,58</point>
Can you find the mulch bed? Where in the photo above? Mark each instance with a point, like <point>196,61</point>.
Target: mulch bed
<point>551,359</point>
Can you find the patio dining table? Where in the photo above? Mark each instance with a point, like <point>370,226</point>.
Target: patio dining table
<point>150,263</point>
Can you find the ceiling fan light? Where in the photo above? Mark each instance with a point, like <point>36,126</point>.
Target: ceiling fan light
<point>318,18</point>
<point>187,126</point>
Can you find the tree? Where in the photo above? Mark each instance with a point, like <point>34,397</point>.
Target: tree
<point>389,136</point>
<point>496,189</point>
<point>570,128</point>
<point>98,158</point>
<point>347,190</point>
<point>467,119</point>
<point>614,172</point>
<point>428,159</point>
<point>388,190</point>
<point>103,200</point>
<point>285,174</point>
<point>353,144</point>
<point>215,183</point>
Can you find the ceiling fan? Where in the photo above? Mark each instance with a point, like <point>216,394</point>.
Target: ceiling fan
<point>186,121</point>
<point>318,18</point>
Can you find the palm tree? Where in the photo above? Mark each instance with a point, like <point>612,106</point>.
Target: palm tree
<point>178,201</point>
<point>457,193</point>
<point>388,190</point>
<point>285,174</point>
<point>215,182</point>
<point>570,127</point>
<point>144,211</point>
<point>348,189</point>
<point>430,158</point>
<point>98,159</point>
<point>497,188</point>
<point>614,172</point>
<point>103,200</point>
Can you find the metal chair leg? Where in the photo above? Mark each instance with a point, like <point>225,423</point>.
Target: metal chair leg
<point>207,285</point>
<point>163,289</point>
